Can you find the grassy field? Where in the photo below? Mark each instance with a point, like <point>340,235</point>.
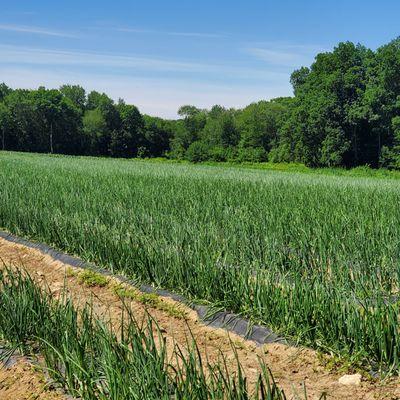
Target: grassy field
<point>314,256</point>
<point>357,172</point>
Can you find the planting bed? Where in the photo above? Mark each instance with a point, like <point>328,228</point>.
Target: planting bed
<point>291,366</point>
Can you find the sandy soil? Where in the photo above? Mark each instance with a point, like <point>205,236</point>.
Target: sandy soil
<point>291,366</point>
<point>23,381</point>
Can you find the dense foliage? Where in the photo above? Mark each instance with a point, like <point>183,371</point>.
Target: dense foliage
<point>345,112</point>
<point>313,256</point>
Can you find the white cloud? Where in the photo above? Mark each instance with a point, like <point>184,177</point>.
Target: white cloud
<point>172,33</point>
<point>273,56</point>
<point>23,55</point>
<point>284,55</point>
<point>35,30</point>
<point>161,96</point>
<point>157,86</point>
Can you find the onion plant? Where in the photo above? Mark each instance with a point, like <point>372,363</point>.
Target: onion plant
<point>313,256</point>
<point>90,360</point>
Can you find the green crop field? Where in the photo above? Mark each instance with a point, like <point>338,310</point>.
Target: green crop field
<point>315,257</point>
<point>83,354</point>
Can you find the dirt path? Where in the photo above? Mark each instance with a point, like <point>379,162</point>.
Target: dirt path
<point>291,366</point>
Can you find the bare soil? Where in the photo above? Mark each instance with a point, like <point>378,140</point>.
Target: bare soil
<point>24,381</point>
<point>291,366</point>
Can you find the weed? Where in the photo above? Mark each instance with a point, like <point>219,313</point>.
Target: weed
<point>90,278</point>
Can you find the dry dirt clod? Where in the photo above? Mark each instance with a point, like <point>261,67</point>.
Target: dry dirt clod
<point>56,287</point>
<point>350,380</point>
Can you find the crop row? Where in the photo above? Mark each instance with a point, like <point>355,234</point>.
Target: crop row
<point>314,257</point>
<point>91,360</point>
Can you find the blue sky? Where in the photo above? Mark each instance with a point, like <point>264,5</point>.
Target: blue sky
<point>163,54</point>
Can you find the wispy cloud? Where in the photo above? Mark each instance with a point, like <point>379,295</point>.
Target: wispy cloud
<point>172,33</point>
<point>35,30</point>
<point>273,56</point>
<point>23,55</point>
<point>160,96</point>
<point>286,55</point>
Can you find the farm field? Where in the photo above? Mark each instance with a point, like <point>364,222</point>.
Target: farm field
<point>40,287</point>
<point>93,352</point>
<point>314,257</point>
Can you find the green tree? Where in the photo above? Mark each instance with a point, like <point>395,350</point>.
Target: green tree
<point>334,146</point>
<point>5,123</point>
<point>76,94</point>
<point>194,122</point>
<point>220,128</point>
<point>59,120</point>
<point>198,151</point>
<point>24,133</point>
<point>107,107</point>
<point>331,94</point>
<point>95,129</point>
<point>47,103</point>
<point>259,124</point>
<point>4,91</point>
<point>157,135</point>
<point>126,140</point>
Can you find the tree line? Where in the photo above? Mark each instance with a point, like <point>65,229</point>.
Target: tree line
<point>345,111</point>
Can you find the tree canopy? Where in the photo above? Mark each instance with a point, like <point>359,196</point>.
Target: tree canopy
<point>345,111</point>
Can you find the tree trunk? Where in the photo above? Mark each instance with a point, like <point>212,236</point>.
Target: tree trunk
<point>379,146</point>
<point>51,138</point>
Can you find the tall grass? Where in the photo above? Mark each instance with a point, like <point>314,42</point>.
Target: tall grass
<point>92,361</point>
<point>315,257</point>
